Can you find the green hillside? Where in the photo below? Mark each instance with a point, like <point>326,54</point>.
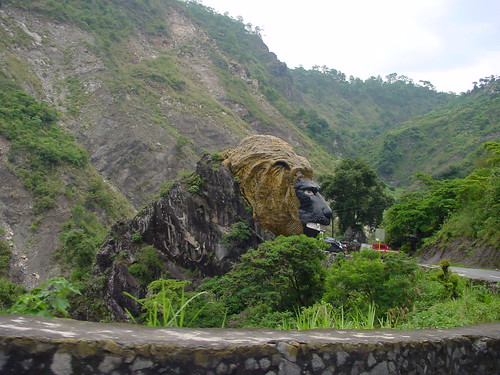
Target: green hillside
<point>457,218</point>
<point>354,111</point>
<point>442,142</point>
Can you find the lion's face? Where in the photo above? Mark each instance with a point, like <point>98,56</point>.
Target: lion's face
<point>313,210</point>
<point>267,169</point>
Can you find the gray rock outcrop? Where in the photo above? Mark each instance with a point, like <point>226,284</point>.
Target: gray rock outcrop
<point>187,229</point>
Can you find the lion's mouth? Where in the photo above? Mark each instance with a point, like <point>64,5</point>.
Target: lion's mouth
<point>315,226</point>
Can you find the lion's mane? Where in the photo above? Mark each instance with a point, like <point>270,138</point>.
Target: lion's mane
<point>267,168</point>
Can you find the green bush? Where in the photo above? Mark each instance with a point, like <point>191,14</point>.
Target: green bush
<point>80,238</point>
<point>5,256</point>
<point>450,280</point>
<point>238,233</point>
<point>79,248</point>
<point>98,195</point>
<point>9,293</point>
<point>282,274</point>
<point>194,183</point>
<point>368,278</point>
<point>136,237</point>
<point>148,265</point>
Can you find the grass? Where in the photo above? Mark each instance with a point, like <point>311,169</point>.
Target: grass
<point>476,305</point>
<point>324,315</point>
<point>168,307</point>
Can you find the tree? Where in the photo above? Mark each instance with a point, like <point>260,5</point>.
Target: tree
<point>359,196</point>
<point>422,213</point>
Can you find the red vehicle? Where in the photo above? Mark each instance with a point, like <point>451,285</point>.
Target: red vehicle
<point>383,248</point>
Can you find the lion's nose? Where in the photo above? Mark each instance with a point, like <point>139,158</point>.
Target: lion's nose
<point>327,212</point>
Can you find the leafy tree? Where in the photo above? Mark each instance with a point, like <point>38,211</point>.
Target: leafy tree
<point>421,214</point>
<point>493,148</point>
<point>284,273</point>
<point>359,196</point>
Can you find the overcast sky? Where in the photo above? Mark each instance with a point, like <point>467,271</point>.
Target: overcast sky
<point>450,43</point>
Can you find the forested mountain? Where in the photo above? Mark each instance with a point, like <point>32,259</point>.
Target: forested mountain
<point>353,112</point>
<point>443,142</point>
<point>103,102</point>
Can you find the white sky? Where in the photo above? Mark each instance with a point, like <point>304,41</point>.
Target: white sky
<point>450,43</point>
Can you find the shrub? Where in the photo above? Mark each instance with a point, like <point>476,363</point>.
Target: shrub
<point>148,265</point>
<point>136,237</point>
<point>79,248</point>
<point>9,293</point>
<point>5,256</point>
<point>367,279</point>
<point>239,232</point>
<point>449,279</point>
<point>194,183</point>
<point>283,274</point>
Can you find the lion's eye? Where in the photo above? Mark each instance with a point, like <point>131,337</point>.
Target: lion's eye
<point>309,192</point>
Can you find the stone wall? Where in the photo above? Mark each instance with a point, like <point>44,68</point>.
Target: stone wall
<point>34,345</point>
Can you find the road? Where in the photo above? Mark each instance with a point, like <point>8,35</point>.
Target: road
<point>472,273</point>
<point>477,274</point>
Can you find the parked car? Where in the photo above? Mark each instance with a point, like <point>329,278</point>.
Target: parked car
<point>383,248</point>
<point>335,245</point>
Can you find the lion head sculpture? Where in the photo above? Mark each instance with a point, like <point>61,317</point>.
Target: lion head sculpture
<point>277,183</point>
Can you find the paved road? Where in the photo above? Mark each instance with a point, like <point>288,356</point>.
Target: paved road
<point>472,273</point>
<point>478,274</point>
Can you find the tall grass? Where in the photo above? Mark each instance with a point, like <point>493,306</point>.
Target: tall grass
<point>324,315</point>
<point>477,304</point>
<point>166,309</point>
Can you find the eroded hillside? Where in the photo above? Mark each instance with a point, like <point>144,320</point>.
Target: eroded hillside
<point>149,108</point>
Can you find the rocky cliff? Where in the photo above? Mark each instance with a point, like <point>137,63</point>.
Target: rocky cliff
<point>188,232</point>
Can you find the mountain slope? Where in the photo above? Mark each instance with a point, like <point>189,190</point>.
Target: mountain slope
<point>356,111</point>
<point>144,105</point>
<point>443,142</point>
